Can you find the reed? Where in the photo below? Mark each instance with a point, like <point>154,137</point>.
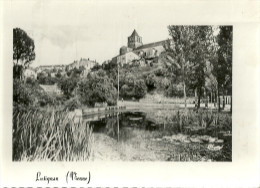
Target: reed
<point>54,136</point>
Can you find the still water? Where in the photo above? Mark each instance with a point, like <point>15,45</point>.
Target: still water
<point>119,125</point>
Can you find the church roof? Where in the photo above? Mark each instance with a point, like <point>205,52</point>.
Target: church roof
<point>135,34</point>
<point>151,45</point>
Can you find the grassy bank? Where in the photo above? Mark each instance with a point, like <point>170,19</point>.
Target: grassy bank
<point>198,136</point>
<point>166,135</point>
<point>54,136</point>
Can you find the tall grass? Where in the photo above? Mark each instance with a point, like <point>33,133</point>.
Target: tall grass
<point>180,120</point>
<point>195,123</point>
<point>54,136</point>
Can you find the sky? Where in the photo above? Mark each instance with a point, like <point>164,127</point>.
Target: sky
<point>64,32</point>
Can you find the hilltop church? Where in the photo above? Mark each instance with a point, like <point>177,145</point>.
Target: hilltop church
<point>136,50</point>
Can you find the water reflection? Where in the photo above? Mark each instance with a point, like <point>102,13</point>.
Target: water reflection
<point>120,125</point>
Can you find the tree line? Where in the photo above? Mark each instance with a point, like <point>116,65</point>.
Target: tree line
<point>201,58</point>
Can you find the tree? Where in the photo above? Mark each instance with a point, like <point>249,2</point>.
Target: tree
<point>174,90</point>
<point>68,85</point>
<point>151,81</point>
<point>201,52</point>
<point>211,82</point>
<point>97,87</point>
<point>140,89</point>
<point>23,51</point>
<point>187,55</point>
<point>179,53</point>
<point>222,68</point>
<point>96,67</point>
<point>30,94</point>
<point>132,87</point>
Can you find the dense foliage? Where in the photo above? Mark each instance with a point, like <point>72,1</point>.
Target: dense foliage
<point>23,51</point>
<point>68,86</point>
<point>222,61</point>
<point>30,94</point>
<point>97,87</point>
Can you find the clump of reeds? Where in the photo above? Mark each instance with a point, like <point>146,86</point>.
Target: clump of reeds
<point>205,118</point>
<point>186,119</point>
<point>55,136</point>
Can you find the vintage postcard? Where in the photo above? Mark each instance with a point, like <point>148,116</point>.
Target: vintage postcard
<point>130,93</point>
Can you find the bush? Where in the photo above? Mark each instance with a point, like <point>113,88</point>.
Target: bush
<point>151,81</point>
<point>127,92</point>
<point>46,79</point>
<point>140,89</point>
<point>72,104</point>
<point>22,93</point>
<point>165,83</point>
<point>68,85</point>
<point>97,87</point>
<point>160,72</point>
<point>137,90</point>
<point>174,90</point>
<point>31,81</point>
<point>31,94</point>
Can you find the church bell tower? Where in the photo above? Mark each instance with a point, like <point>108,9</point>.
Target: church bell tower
<point>134,40</point>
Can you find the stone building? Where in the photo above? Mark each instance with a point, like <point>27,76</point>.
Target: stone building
<point>51,89</point>
<point>86,63</point>
<point>134,40</point>
<point>137,51</point>
<point>30,73</point>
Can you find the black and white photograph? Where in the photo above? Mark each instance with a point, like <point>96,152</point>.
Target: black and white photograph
<point>167,100</point>
<point>129,93</point>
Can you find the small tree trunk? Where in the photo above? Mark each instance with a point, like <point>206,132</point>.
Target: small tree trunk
<point>199,95</point>
<point>195,98</point>
<point>210,96</point>
<point>223,101</point>
<point>218,99</point>
<point>214,98</point>
<point>206,98</point>
<point>184,93</point>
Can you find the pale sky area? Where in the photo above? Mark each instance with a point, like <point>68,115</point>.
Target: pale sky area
<point>65,31</point>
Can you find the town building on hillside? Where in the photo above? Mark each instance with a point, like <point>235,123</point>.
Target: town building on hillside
<point>53,74</point>
<point>51,89</point>
<point>137,51</point>
<point>127,58</point>
<point>151,50</point>
<point>30,73</point>
<point>50,67</point>
<point>85,63</point>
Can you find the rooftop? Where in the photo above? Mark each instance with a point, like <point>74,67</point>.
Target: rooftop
<point>135,34</point>
<point>151,45</point>
<point>50,88</point>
